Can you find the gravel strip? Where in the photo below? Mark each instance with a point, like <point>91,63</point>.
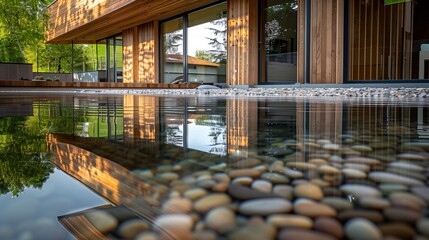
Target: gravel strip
<point>281,92</point>
<point>379,93</point>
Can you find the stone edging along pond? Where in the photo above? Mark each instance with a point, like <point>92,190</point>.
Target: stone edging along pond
<point>420,93</point>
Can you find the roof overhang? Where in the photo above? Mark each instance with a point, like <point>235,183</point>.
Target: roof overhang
<point>86,21</point>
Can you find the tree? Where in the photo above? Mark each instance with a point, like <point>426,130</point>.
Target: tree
<point>219,39</point>
<point>58,57</point>
<point>172,41</point>
<point>22,24</point>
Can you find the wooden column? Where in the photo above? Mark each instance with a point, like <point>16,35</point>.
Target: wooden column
<point>129,37</point>
<point>326,41</point>
<point>242,126</point>
<point>140,53</point>
<point>148,52</point>
<point>242,63</point>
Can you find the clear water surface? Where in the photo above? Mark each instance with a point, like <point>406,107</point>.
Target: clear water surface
<point>66,158</point>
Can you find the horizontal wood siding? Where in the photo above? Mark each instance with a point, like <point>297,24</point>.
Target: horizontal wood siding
<point>242,63</point>
<point>326,41</point>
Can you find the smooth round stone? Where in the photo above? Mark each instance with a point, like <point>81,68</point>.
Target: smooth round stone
<point>264,207</point>
<point>275,178</point>
<point>143,173</point>
<point>293,173</point>
<point>336,159</point>
<point>165,168</point>
<point>402,215</point>
<point>220,187</point>
<point>243,180</point>
<point>195,193</point>
<point>204,178</point>
<point>358,166</point>
<point>246,163</point>
<point>301,165</point>
<point>423,226</point>
<point>131,228</point>
<point>422,192</point>
<point>358,229</point>
<point>201,173</point>
<point>407,173</point>
<point>211,201</point>
<point>221,220</point>
<point>303,234</point>
<point>262,185</point>
<point>363,160</point>
<point>400,230</point>
<point>385,177</point>
<point>319,162</point>
<point>177,225</point>
<point>254,232</point>
<point>362,148</point>
<point>412,156</point>
<point>406,166</point>
<point>207,184</point>
<point>359,191</point>
<point>328,170</point>
<point>177,206</point>
<point>240,192</point>
<point>102,221</point>
<point>313,209</point>
<point>353,173</point>
<point>261,168</point>
<point>277,166</point>
<point>308,190</point>
<point>332,146</point>
<point>323,141</point>
<point>290,220</point>
<point>338,203</point>
<point>319,182</point>
<point>284,191</point>
<point>388,188</point>
<point>218,167</point>
<point>147,236</point>
<point>374,203</point>
<point>204,235</point>
<point>222,177</point>
<point>248,172</point>
<point>408,197</point>
<point>330,226</point>
<point>370,215</point>
<point>168,176</point>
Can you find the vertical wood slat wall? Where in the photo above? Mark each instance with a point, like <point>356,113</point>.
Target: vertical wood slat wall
<point>301,42</point>
<point>242,64</point>
<point>326,41</point>
<point>140,53</point>
<point>380,41</point>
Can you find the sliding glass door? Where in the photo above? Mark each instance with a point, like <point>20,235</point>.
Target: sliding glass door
<point>201,37</point>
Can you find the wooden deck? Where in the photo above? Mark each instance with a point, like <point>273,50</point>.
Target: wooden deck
<point>42,84</point>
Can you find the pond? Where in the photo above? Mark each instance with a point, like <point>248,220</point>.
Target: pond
<point>166,167</point>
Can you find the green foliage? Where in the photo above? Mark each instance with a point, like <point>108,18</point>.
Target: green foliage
<point>23,157</point>
<point>22,26</point>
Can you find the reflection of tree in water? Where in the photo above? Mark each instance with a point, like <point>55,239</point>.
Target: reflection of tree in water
<point>217,132</point>
<point>174,135</point>
<point>23,156</point>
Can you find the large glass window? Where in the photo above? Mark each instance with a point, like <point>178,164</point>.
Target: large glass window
<point>388,41</point>
<point>172,49</point>
<point>278,49</point>
<point>201,36</point>
<point>207,45</point>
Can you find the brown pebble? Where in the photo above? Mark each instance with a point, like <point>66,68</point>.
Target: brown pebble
<point>248,172</point>
<point>330,226</point>
<point>246,163</point>
<point>402,215</point>
<point>302,234</point>
<point>220,187</point>
<point>400,230</point>
<point>313,209</point>
<point>244,193</point>
<point>373,216</point>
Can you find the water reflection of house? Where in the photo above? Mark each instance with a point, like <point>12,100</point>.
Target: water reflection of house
<point>199,70</point>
